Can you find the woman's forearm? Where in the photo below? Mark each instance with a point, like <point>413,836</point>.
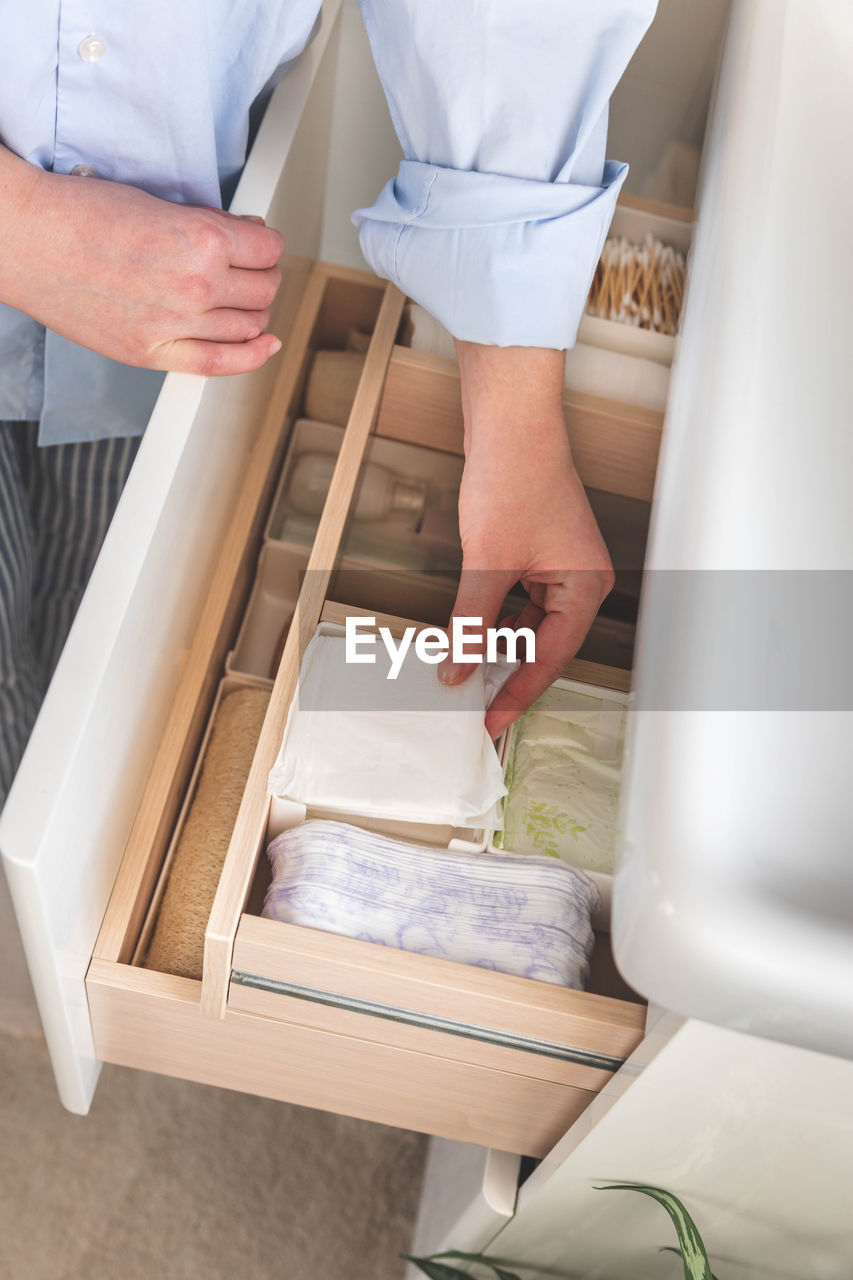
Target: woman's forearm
<point>19,184</point>
<point>509,393</point>
<point>523,514</point>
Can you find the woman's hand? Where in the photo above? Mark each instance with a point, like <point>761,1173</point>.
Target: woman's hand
<point>523,514</point>
<point>138,279</point>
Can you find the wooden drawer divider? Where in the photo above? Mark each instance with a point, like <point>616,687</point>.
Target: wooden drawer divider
<point>615,446</point>
<point>251,822</point>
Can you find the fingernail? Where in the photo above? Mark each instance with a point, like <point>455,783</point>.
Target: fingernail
<point>275,346</point>
<point>451,673</point>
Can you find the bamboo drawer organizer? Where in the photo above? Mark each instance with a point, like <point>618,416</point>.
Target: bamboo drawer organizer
<point>313,1018</point>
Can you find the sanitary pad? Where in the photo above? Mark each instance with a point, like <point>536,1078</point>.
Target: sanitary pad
<point>519,915</point>
<point>563,777</point>
<point>411,749</point>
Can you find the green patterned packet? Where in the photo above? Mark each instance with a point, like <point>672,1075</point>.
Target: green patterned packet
<point>562,777</point>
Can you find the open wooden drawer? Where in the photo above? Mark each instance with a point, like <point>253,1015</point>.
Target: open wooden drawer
<point>310,1017</point>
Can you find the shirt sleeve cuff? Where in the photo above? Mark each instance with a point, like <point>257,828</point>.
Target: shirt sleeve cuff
<point>497,260</point>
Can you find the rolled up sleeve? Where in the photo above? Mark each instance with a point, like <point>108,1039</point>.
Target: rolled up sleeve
<point>496,218</point>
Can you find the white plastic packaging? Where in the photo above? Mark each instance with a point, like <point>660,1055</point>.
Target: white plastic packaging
<point>411,749</point>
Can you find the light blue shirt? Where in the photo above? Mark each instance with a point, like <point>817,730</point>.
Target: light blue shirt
<point>494,222</point>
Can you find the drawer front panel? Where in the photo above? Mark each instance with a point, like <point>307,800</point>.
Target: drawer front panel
<point>406,1028</point>
<point>153,1021</point>
<point>544,1029</point>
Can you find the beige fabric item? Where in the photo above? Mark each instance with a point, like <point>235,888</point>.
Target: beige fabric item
<point>178,942</point>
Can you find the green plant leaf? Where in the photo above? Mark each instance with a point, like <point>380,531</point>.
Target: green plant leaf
<point>436,1259</point>
<point>436,1270</point>
<point>694,1256</point>
<point>483,1262</point>
<point>487,1262</point>
<point>670,1248</point>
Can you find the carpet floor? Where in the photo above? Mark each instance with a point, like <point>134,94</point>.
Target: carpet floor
<point>166,1180</point>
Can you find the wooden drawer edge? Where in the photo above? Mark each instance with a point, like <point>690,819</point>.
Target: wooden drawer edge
<point>430,986</point>
<point>658,208</point>
<point>393,1031</point>
<point>595,673</point>
<point>153,1022</point>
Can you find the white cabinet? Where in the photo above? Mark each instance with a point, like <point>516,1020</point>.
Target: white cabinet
<point>734,898</point>
<point>469,1194</point>
<point>754,1136</point>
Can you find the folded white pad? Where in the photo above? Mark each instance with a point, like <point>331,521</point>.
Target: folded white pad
<point>411,749</point>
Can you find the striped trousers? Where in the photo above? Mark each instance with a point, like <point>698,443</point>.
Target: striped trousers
<point>56,504</point>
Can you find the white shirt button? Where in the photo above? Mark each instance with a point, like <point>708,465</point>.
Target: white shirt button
<point>84,171</point>
<point>92,48</point>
